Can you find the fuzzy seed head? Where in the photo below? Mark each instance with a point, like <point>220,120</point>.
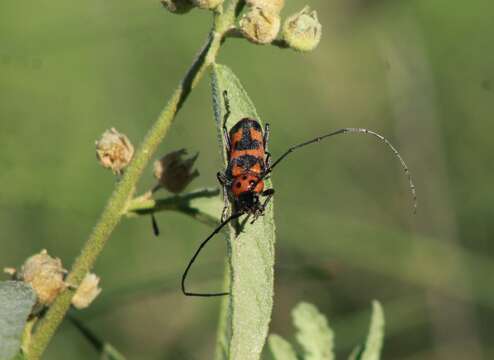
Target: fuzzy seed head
<point>45,274</point>
<point>207,4</point>
<point>173,172</point>
<point>87,291</point>
<point>177,6</point>
<point>274,6</point>
<point>302,31</point>
<point>260,26</point>
<point>114,151</point>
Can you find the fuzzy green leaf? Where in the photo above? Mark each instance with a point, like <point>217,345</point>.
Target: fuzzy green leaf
<point>280,348</point>
<point>374,342</point>
<point>251,253</point>
<point>314,333</point>
<point>16,301</point>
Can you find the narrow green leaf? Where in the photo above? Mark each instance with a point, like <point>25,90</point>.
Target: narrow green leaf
<point>313,332</point>
<point>16,301</point>
<point>280,348</point>
<point>374,342</point>
<point>251,253</point>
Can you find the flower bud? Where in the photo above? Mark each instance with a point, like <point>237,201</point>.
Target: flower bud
<point>45,274</point>
<point>302,31</point>
<point>114,151</point>
<point>207,4</point>
<point>177,6</point>
<point>173,172</point>
<point>260,26</point>
<point>87,291</point>
<point>273,6</point>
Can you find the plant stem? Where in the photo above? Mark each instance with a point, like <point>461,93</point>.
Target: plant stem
<point>124,190</point>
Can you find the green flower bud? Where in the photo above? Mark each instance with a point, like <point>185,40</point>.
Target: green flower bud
<point>260,26</point>
<point>302,31</point>
<point>207,4</point>
<point>177,6</point>
<point>173,172</point>
<point>274,6</point>
<point>114,151</point>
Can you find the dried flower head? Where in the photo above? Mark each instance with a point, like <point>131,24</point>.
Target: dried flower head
<point>207,4</point>
<point>260,26</point>
<point>87,291</point>
<point>302,31</point>
<point>45,274</point>
<point>177,6</point>
<point>274,6</point>
<point>114,151</point>
<point>173,172</point>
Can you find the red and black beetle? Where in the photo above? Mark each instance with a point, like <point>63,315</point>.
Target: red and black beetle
<point>249,164</point>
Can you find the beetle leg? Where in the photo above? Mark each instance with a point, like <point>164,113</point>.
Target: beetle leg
<point>269,194</point>
<point>268,159</point>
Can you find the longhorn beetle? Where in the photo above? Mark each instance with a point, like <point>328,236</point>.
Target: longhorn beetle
<point>249,164</point>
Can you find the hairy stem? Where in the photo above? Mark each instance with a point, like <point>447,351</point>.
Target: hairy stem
<point>124,190</point>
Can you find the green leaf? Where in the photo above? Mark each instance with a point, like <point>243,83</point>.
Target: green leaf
<point>314,333</point>
<point>251,253</point>
<point>280,348</point>
<point>374,342</point>
<point>16,301</point>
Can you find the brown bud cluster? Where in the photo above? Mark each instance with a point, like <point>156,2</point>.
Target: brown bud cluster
<point>261,23</point>
<point>114,151</point>
<point>45,274</point>
<point>87,291</point>
<point>260,26</point>
<point>173,172</point>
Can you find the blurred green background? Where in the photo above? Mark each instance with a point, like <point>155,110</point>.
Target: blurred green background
<point>420,72</point>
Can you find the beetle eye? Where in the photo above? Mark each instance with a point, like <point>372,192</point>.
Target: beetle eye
<point>252,182</point>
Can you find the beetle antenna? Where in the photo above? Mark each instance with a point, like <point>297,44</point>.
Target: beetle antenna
<point>346,131</point>
<point>184,276</point>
